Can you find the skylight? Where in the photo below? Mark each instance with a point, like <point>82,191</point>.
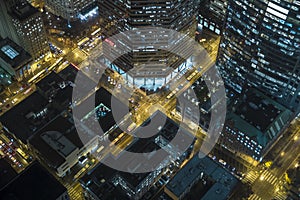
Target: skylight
<point>9,51</point>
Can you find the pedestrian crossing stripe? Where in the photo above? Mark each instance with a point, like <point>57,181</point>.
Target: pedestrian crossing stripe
<point>280,196</point>
<point>274,180</point>
<point>254,197</point>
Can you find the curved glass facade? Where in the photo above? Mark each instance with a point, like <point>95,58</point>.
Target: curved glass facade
<point>260,48</point>
<point>124,15</point>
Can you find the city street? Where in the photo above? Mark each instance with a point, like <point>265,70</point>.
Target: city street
<point>93,93</point>
<point>268,182</point>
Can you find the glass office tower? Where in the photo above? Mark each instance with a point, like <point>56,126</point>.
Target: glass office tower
<point>68,9</point>
<point>30,29</point>
<point>212,15</point>
<point>156,66</point>
<point>260,48</point>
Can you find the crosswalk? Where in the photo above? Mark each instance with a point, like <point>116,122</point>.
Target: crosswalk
<point>80,53</point>
<point>254,197</point>
<point>264,178</point>
<point>75,192</point>
<point>251,177</point>
<point>268,177</point>
<point>280,196</point>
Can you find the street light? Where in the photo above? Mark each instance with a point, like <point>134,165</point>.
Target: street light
<point>261,177</point>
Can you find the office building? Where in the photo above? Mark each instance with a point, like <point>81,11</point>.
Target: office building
<point>254,121</point>
<point>34,183</point>
<point>212,15</point>
<point>70,10</point>
<point>14,59</point>
<point>260,48</point>
<point>130,185</point>
<point>29,26</point>
<point>201,179</point>
<point>146,66</point>
<point>58,145</point>
<point>7,28</point>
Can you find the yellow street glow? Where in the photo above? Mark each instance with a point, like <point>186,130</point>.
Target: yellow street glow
<point>261,178</point>
<point>268,164</point>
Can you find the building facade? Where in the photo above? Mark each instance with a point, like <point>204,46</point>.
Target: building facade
<point>14,59</point>
<point>146,66</point>
<point>254,122</point>
<point>219,183</point>
<point>6,26</point>
<point>29,27</point>
<point>60,150</point>
<point>260,48</point>
<point>69,10</point>
<point>212,15</point>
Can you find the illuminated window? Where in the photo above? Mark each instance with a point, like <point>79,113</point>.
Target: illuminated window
<point>9,51</point>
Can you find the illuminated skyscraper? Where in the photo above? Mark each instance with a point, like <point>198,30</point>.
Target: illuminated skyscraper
<point>69,10</point>
<point>172,14</point>
<point>260,48</point>
<point>158,66</point>
<point>6,26</point>
<point>212,15</point>
<point>29,27</point>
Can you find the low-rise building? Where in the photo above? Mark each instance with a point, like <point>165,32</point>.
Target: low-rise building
<point>31,115</point>
<point>58,145</point>
<point>57,90</point>
<point>213,181</point>
<point>7,173</point>
<point>253,122</point>
<point>104,182</point>
<point>35,183</point>
<point>14,59</point>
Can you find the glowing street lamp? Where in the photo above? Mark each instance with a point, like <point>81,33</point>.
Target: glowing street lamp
<point>261,178</point>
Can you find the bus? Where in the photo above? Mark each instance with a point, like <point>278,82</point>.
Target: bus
<point>84,40</point>
<point>131,127</point>
<point>24,155</point>
<point>96,31</point>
